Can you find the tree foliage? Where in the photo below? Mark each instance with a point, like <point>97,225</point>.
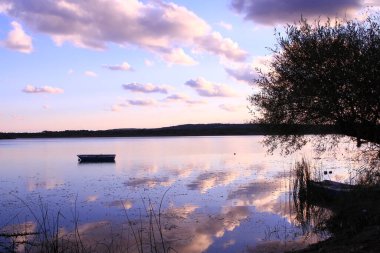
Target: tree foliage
<point>324,73</point>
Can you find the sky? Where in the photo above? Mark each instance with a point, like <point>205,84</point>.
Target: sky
<point>107,64</point>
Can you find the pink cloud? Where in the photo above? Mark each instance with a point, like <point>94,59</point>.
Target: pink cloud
<point>231,108</point>
<point>224,47</point>
<point>44,89</point>
<point>270,12</point>
<point>225,25</point>
<point>208,89</point>
<point>165,29</point>
<point>142,102</point>
<point>248,72</point>
<point>148,63</point>
<point>122,67</point>
<point>18,40</point>
<point>176,56</point>
<point>146,88</point>
<point>90,73</point>
<point>180,97</point>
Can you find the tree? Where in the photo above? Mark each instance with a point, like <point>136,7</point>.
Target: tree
<point>324,73</point>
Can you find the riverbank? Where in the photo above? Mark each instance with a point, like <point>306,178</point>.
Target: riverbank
<point>366,241</point>
<point>355,225</point>
<point>183,130</point>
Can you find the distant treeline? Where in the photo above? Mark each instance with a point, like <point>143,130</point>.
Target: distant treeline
<point>184,130</point>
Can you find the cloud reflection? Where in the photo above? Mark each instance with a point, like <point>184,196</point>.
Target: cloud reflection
<point>48,184</point>
<point>91,198</point>
<point>254,190</point>
<point>182,212</point>
<point>18,241</point>
<point>203,229</point>
<point>127,204</point>
<point>263,195</point>
<point>210,180</point>
<point>269,197</point>
<point>149,182</point>
<point>183,230</point>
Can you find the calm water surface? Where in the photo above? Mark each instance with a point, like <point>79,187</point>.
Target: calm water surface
<point>223,194</point>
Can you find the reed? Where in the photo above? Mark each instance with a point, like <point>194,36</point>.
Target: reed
<point>48,236</point>
<point>302,171</point>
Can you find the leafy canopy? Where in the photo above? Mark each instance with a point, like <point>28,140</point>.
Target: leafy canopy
<point>324,73</point>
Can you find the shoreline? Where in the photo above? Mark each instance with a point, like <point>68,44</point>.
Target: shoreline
<point>183,130</point>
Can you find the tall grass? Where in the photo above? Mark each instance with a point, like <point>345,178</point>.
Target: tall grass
<point>49,237</point>
<point>310,217</point>
<point>302,173</point>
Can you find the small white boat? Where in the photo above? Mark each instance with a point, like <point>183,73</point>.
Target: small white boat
<point>98,158</point>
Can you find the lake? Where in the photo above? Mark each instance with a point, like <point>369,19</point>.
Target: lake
<point>195,194</point>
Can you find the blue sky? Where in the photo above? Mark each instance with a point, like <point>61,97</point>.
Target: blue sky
<point>97,64</point>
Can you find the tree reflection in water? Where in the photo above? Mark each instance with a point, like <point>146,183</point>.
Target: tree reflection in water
<point>310,217</point>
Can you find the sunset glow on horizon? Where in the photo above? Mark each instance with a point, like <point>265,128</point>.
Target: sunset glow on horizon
<point>68,64</point>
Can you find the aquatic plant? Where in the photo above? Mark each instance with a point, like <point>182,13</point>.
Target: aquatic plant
<point>45,233</point>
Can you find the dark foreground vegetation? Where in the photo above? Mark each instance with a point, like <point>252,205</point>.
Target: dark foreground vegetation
<point>352,218</point>
<point>185,130</point>
<point>48,235</point>
<point>329,73</point>
<point>324,73</point>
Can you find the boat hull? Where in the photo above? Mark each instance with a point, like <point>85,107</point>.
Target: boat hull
<point>101,158</point>
<point>329,190</point>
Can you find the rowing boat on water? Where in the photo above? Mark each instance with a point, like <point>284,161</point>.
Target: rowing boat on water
<point>97,158</point>
<point>329,190</point>
<point>331,186</point>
